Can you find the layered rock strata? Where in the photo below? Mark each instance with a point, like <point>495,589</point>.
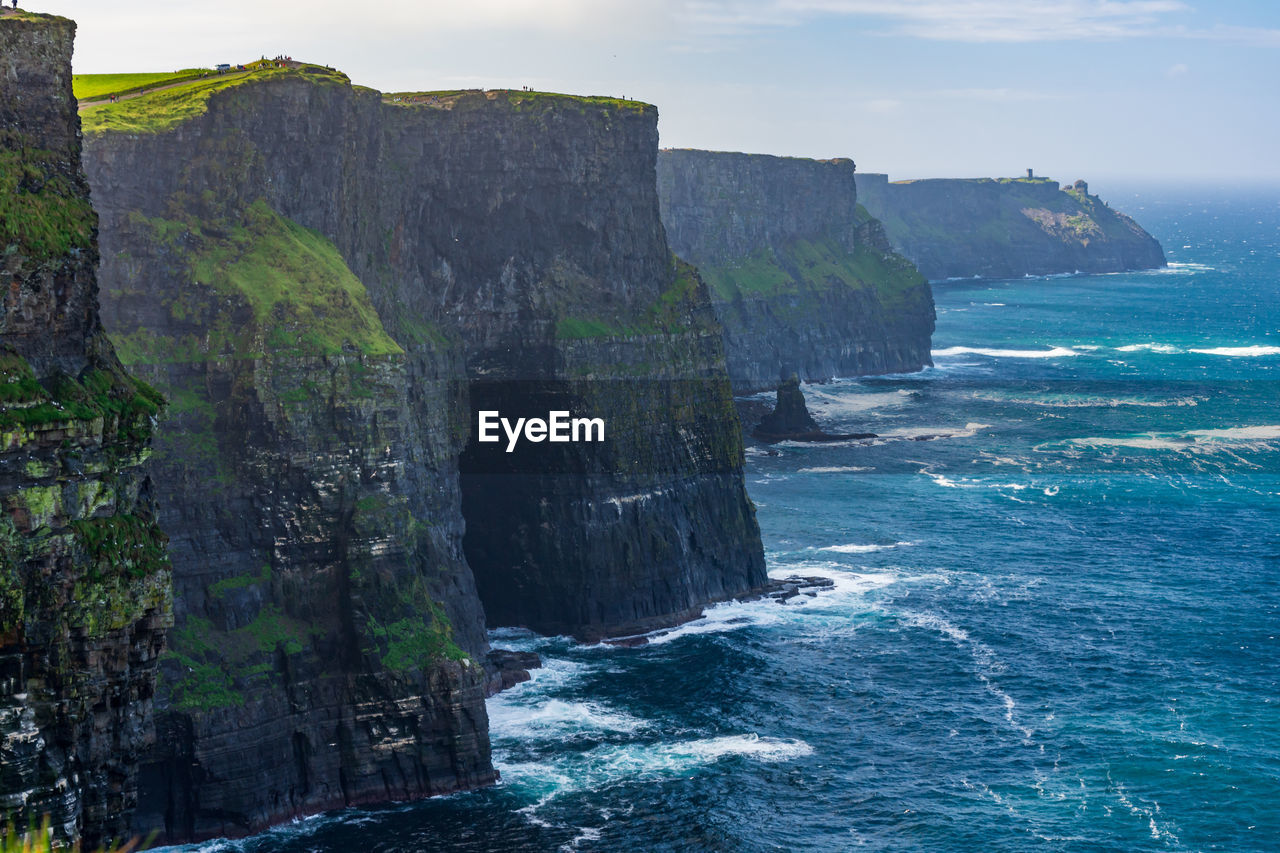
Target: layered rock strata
<point>802,277</point>
<point>84,578</point>
<point>1004,228</point>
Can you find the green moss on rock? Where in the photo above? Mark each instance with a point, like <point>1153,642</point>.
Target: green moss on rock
<point>290,292</point>
<point>43,212</point>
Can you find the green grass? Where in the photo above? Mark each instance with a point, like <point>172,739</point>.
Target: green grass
<point>520,99</point>
<point>109,394</point>
<point>94,86</point>
<point>222,587</point>
<point>303,298</point>
<point>159,111</point>
<point>667,313</point>
<point>42,211</point>
<point>420,640</point>
<point>817,265</point>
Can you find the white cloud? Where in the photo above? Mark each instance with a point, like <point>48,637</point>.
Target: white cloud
<point>1176,70</point>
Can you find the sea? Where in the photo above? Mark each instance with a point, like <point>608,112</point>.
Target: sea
<point>1054,619</point>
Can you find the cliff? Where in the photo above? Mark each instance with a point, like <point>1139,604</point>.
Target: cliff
<point>84,580</point>
<point>802,277</point>
<point>1006,228</point>
<point>330,283</point>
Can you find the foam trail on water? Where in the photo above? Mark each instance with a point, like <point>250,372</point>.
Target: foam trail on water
<point>1166,349</point>
<point>610,764</point>
<point>864,549</point>
<point>1240,352</point>
<point>1053,352</point>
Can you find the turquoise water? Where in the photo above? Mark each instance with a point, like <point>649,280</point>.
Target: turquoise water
<point>1055,615</point>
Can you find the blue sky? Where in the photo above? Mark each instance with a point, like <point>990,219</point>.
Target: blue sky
<point>1170,90</point>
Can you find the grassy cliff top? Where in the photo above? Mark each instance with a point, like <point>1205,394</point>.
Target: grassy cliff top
<point>92,87</point>
<point>1037,180</point>
<point>24,15</point>
<point>171,104</point>
<point>518,98</point>
<point>839,161</point>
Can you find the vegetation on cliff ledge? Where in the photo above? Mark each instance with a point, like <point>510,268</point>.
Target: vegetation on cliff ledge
<point>101,392</point>
<point>669,313</point>
<point>518,98</point>
<point>261,284</point>
<point>809,265</point>
<point>45,213</point>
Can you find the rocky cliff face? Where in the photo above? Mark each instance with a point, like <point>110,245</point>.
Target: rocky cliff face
<point>329,282</point>
<point>1006,228</point>
<point>802,277</point>
<point>84,580</point>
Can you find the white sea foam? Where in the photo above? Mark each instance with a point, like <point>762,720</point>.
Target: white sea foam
<point>968,483</point>
<point>1249,433</point>
<point>864,549</point>
<point>988,664</point>
<point>1240,352</point>
<point>555,718</point>
<point>833,405</point>
<point>844,599</point>
<point>1052,352</point>
<point>610,764</point>
<point>1260,437</point>
<point>968,431</point>
<point>1084,401</point>
<point>1167,349</point>
<point>836,469</point>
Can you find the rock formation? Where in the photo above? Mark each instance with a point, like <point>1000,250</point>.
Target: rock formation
<point>802,277</point>
<point>329,283</point>
<point>1006,228</point>
<point>84,580</point>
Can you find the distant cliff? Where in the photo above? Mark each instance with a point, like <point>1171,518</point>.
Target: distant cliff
<point>1006,228</point>
<point>84,579</point>
<point>329,283</point>
<point>802,277</point>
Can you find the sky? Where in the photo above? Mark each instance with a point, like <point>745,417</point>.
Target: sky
<point>1107,90</point>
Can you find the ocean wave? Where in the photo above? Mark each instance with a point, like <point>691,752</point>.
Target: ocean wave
<point>836,469</point>
<point>514,716</point>
<point>1167,349</point>
<point>833,405</point>
<point>969,430</point>
<point>610,764</point>
<point>1262,437</point>
<point>864,549</point>
<point>1240,352</point>
<point>845,598</point>
<point>966,483</point>
<point>1052,352</point>
<point>1085,401</point>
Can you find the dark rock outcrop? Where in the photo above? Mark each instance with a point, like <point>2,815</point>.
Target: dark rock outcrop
<point>953,228</point>
<point>432,256</point>
<point>802,277</point>
<point>791,414</point>
<point>84,580</point>
<point>790,419</point>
